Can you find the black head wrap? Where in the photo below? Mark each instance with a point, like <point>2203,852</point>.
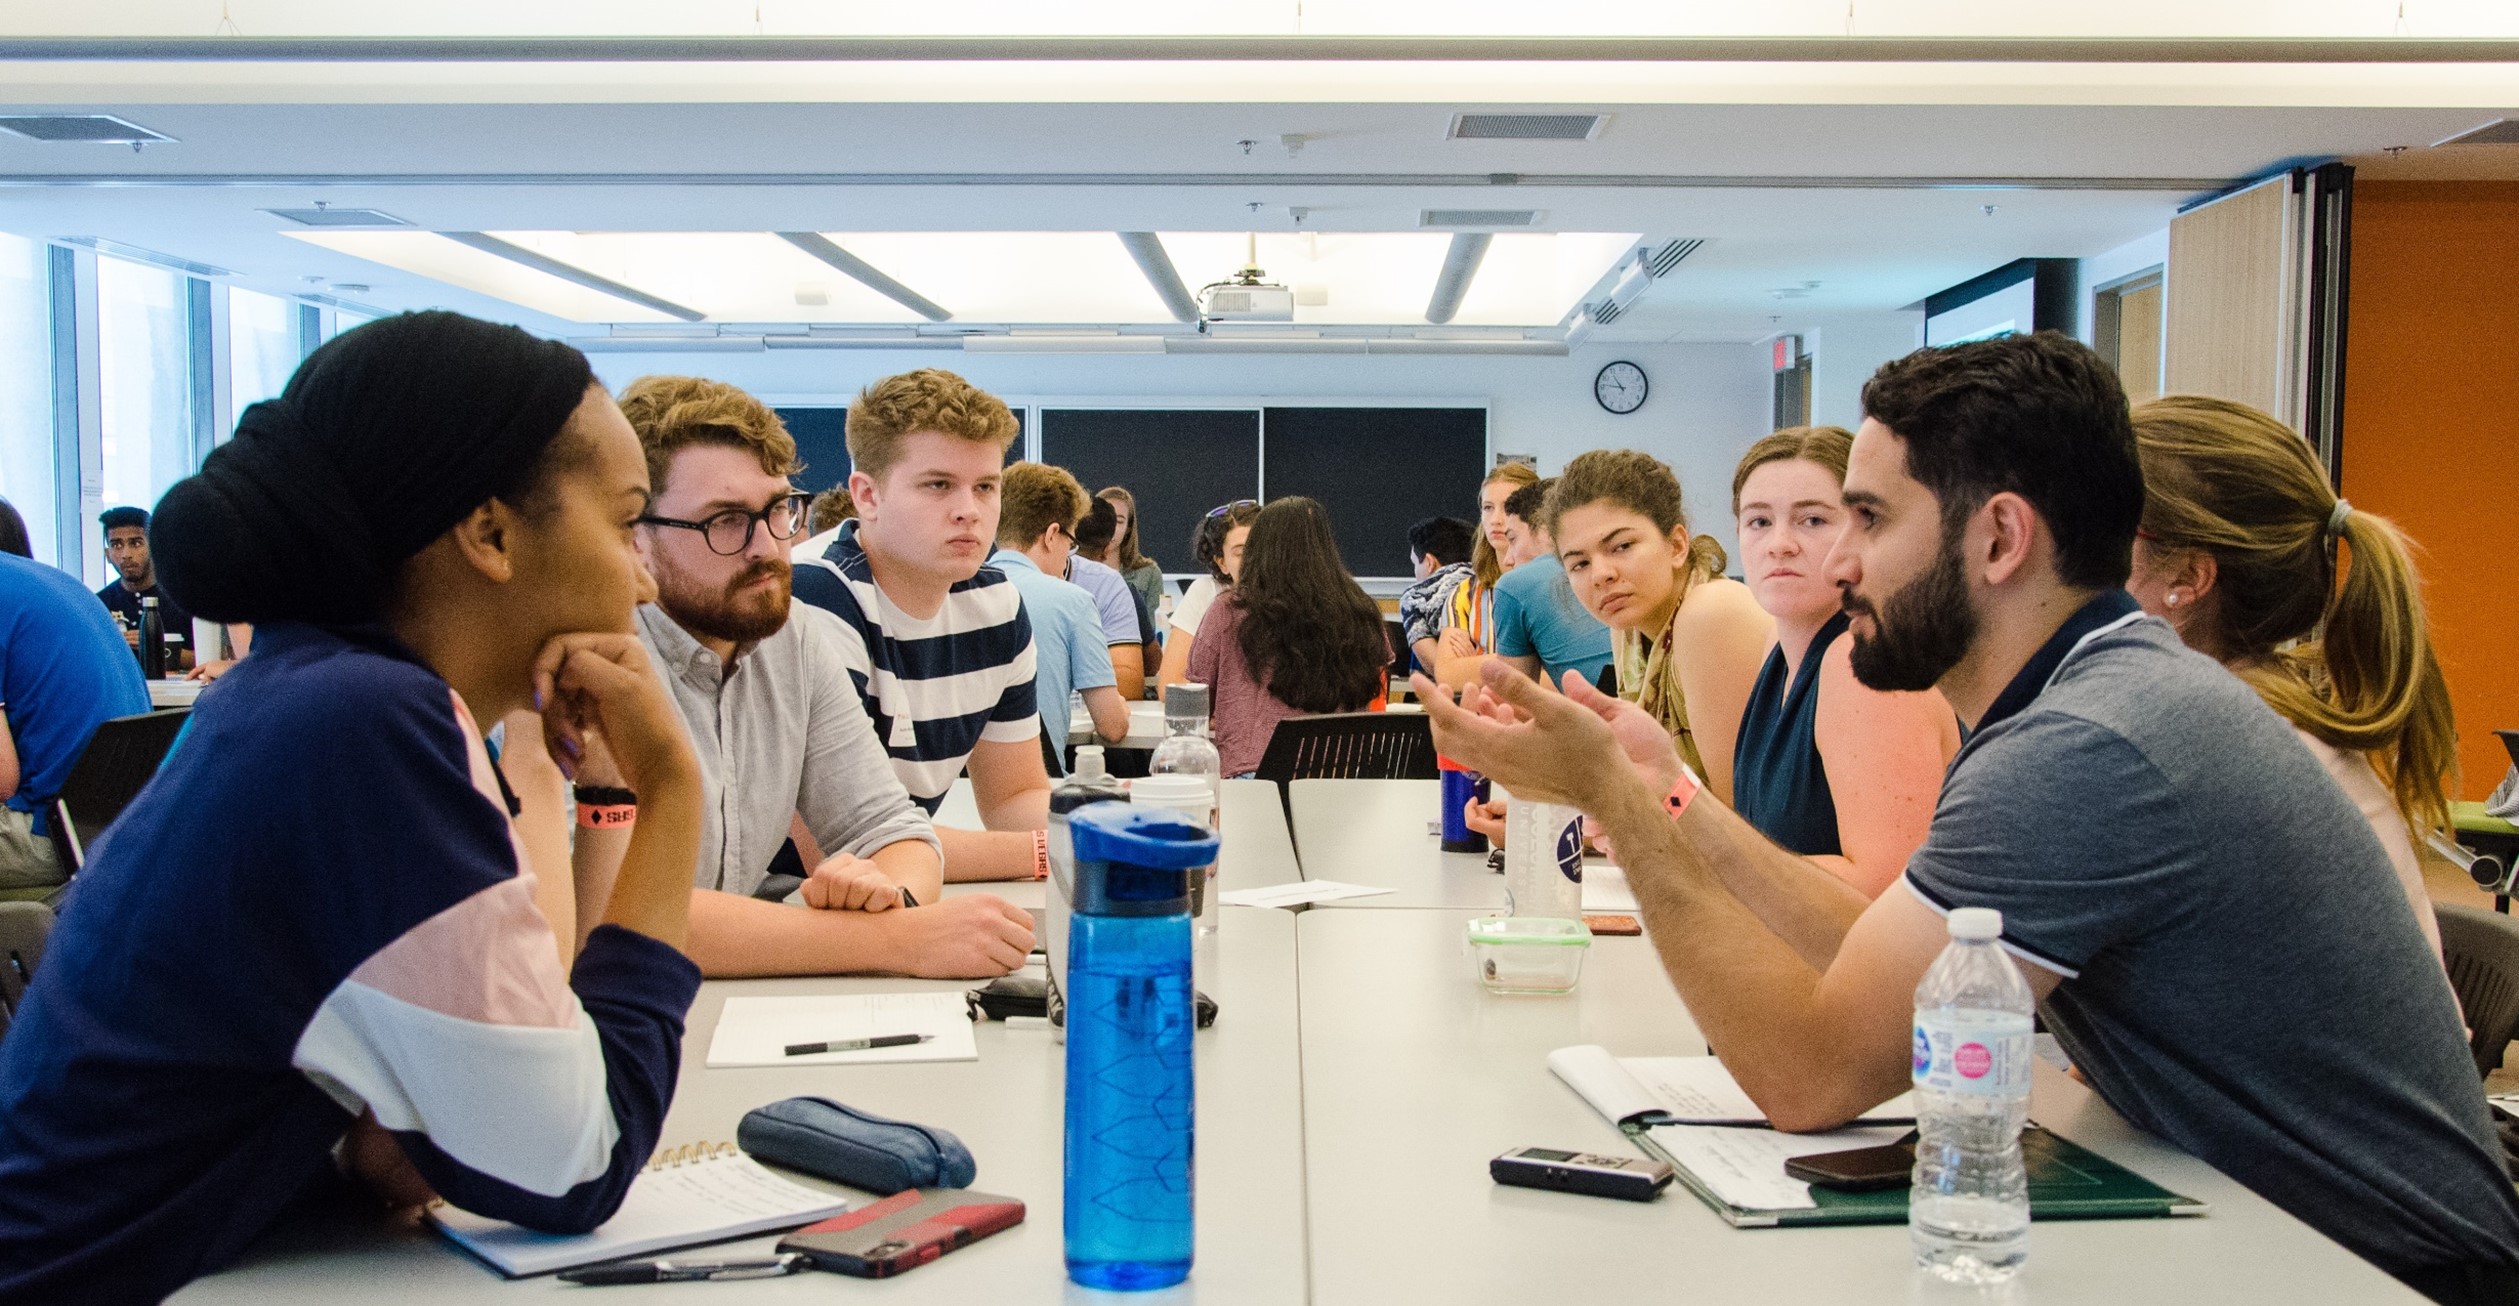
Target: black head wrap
<point>385,437</point>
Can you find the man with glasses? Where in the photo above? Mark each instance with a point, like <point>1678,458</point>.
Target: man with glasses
<point>781,738</point>
<point>1035,540</point>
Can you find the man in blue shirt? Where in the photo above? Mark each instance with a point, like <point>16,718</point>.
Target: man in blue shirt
<point>1037,511</point>
<point>1540,625</point>
<point>64,670</point>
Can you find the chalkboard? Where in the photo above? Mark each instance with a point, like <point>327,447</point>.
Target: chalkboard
<point>1378,471</point>
<point>1178,462</point>
<point>822,444</point>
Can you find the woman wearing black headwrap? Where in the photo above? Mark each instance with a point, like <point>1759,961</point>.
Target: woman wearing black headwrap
<point>317,913</point>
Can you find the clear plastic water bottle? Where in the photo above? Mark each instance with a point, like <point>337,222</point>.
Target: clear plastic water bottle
<point>1543,859</point>
<point>1092,783</point>
<point>1187,751</point>
<point>1130,1025</point>
<point>1968,1214</point>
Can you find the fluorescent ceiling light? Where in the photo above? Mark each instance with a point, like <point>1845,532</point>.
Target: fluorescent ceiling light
<point>566,271</point>
<point>427,254</point>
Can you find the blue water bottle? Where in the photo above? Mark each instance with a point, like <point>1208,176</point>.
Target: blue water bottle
<point>1130,1020</point>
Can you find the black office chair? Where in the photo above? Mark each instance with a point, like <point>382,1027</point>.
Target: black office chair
<point>2482,949</point>
<point>1348,746</point>
<point>118,762</point>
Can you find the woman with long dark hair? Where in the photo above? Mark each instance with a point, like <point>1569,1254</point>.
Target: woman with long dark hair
<point>1295,635</point>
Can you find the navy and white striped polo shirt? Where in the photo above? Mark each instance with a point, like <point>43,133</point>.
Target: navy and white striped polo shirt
<point>936,686</point>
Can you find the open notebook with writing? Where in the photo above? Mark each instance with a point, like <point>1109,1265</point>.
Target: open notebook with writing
<point>1690,1113</point>
<point>705,1193</point>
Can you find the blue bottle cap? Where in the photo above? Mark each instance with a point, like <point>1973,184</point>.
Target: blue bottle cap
<point>1154,837</point>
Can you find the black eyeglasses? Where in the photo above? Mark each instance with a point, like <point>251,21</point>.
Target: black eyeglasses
<point>1238,503</point>
<point>730,532</point>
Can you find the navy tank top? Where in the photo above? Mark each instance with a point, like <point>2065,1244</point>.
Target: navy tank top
<point>1778,781</point>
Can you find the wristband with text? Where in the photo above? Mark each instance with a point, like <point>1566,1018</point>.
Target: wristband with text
<point>605,807</point>
<point>1683,791</point>
<point>1040,854</point>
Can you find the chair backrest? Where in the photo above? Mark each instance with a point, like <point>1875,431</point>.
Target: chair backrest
<point>119,760</point>
<point>2482,949</point>
<point>23,928</point>
<point>1348,746</point>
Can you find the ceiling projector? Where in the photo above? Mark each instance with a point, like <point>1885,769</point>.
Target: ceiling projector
<point>1246,296</point>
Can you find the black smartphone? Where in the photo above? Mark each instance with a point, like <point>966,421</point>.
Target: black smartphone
<point>1856,1170</point>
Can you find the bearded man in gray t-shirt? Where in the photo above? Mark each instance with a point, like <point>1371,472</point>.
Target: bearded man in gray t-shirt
<point>2211,929</point>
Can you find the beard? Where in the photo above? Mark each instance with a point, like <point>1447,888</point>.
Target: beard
<point>726,611</point>
<point>1920,632</point>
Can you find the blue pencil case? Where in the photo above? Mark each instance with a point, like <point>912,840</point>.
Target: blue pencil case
<point>835,1141</point>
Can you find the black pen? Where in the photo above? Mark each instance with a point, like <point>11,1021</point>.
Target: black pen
<point>857,1044</point>
<point>602,1276</point>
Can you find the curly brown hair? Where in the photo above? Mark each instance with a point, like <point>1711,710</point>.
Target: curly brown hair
<point>674,413</point>
<point>1641,484</point>
<point>930,399</point>
<point>1032,497</point>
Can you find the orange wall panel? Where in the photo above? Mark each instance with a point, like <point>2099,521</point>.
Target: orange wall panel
<point>2431,425</point>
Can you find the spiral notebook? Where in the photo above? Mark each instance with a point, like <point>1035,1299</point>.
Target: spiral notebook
<point>703,1193</point>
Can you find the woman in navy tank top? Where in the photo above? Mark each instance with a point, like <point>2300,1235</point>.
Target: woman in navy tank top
<point>1827,768</point>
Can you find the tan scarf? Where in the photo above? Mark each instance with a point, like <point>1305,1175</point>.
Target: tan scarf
<point>1648,676</point>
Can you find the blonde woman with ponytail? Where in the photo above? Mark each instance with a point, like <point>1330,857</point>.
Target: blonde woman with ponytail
<point>2248,552</point>
<point>1687,642</point>
<point>1469,607</point>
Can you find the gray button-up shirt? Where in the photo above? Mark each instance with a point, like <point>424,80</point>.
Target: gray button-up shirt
<point>781,733</point>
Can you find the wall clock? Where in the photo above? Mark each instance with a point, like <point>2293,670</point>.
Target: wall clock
<point>1620,387</point>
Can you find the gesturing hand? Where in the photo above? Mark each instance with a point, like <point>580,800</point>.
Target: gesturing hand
<point>600,685</point>
<point>1549,746</point>
<point>846,883</point>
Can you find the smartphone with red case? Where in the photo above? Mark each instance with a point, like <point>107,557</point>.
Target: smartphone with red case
<point>903,1231</point>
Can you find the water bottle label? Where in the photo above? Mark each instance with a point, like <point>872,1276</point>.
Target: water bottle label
<point>1968,1050</point>
<point>1570,850</point>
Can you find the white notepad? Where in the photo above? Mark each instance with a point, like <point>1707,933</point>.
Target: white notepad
<point>675,1203</point>
<point>1605,889</point>
<point>1679,1090</point>
<point>757,1031</point>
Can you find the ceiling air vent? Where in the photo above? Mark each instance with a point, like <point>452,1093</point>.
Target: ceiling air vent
<point>87,128</point>
<point>2500,131</point>
<point>327,216</point>
<point>1662,260</point>
<point>1477,217</point>
<point>1526,126</point>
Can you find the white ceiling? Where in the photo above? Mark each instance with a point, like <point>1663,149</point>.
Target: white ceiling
<point>1879,203</point>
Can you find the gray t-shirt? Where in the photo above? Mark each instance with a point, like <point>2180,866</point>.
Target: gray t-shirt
<point>2242,973</point>
<point>782,734</point>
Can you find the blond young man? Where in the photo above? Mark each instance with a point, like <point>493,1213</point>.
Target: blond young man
<point>935,640</point>
<point>1036,533</point>
<point>762,686</point>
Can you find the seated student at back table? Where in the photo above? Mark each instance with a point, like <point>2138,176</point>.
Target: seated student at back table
<point>64,671</point>
<point>1125,554</point>
<point>1469,604</point>
<point>1217,543</point>
<point>1438,552</point>
<point>313,933</point>
<point>1096,532</point>
<point>1840,773</point>
<point>935,639</point>
<point>1295,635</point>
<point>2238,552</point>
<point>127,548</point>
<point>764,687</point>
<point>1037,506</point>
<point>2124,802</point>
<point>1115,607</point>
<point>1540,627</point>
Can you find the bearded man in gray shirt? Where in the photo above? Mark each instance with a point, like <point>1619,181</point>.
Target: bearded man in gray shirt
<point>776,723</point>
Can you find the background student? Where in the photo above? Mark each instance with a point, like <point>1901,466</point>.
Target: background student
<point>1125,554</point>
<point>764,688</point>
<point>1826,766</point>
<point>2241,548</point>
<point>1095,532</point>
<point>1438,552</point>
<point>64,671</point>
<point>1071,654</point>
<point>1115,603</point>
<point>1295,635</point>
<point>1539,625</point>
<point>127,549</point>
<point>1689,640</point>
<point>1469,609</point>
<point>312,928</point>
<point>1217,543</point>
<point>936,641</point>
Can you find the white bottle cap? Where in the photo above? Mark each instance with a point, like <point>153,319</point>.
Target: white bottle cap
<point>1089,764</point>
<point>1186,793</point>
<point>1976,924</point>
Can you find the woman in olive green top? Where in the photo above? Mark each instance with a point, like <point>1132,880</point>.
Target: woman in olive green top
<point>1144,575</point>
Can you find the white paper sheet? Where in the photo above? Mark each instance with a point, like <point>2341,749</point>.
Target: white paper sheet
<point>756,1031</point>
<point>1605,889</point>
<point>1692,1090</point>
<point>1745,1167</point>
<point>1299,893</point>
<point>676,1206</point>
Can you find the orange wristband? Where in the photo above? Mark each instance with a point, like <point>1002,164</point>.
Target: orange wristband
<point>605,817</point>
<point>1040,854</point>
<point>1683,792</point>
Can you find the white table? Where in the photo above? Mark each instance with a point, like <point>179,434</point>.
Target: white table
<point>1414,1075</point>
<point>175,693</point>
<point>1257,854</point>
<point>1374,832</point>
<point>1007,1107</point>
<point>1146,728</point>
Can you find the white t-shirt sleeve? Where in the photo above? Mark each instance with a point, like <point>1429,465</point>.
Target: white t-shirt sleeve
<point>1193,605</point>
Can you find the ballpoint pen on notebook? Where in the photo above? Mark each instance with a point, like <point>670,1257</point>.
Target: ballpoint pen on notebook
<point>768,1267</point>
<point>857,1044</point>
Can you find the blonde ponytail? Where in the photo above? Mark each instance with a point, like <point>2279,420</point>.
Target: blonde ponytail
<point>2345,657</point>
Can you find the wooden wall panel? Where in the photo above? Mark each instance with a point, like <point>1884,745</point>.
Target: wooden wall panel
<point>2226,327</point>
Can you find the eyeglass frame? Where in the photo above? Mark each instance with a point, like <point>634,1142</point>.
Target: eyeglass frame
<point>752,521</point>
<point>1221,509</point>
